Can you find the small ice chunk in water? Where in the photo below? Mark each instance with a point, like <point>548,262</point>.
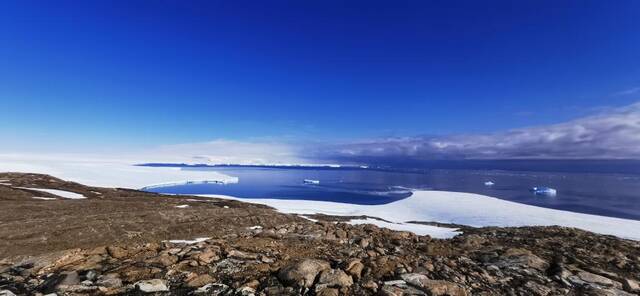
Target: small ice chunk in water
<point>310,181</point>
<point>489,183</point>
<point>544,191</point>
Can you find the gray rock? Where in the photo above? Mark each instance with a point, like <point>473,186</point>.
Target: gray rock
<point>70,279</point>
<point>596,279</point>
<point>212,289</point>
<point>335,278</point>
<point>110,280</point>
<point>302,273</point>
<point>151,286</point>
<point>6,293</point>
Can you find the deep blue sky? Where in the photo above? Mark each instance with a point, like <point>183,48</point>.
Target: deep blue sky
<point>138,73</point>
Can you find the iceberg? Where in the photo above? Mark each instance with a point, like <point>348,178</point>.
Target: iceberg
<point>544,191</point>
<point>489,183</point>
<point>310,181</point>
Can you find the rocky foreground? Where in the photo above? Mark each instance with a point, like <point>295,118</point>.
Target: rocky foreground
<point>253,250</point>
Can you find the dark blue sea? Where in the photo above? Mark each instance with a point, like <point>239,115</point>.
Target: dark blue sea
<point>609,190</point>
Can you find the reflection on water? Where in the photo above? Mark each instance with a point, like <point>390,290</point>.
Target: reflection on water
<point>603,194</point>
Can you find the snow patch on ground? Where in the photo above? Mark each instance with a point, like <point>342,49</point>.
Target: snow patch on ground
<point>254,227</point>
<point>310,219</point>
<point>44,198</point>
<point>182,206</point>
<point>56,192</point>
<point>419,229</point>
<point>188,242</point>
<point>458,208</point>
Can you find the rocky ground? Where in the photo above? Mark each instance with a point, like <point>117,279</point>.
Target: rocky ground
<point>115,242</point>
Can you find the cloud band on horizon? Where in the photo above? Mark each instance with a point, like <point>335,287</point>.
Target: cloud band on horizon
<point>614,134</point>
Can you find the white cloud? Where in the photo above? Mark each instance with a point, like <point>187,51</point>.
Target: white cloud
<point>614,134</point>
<point>627,92</point>
<point>226,152</point>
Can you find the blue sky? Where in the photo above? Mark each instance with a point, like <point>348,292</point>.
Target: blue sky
<point>96,74</point>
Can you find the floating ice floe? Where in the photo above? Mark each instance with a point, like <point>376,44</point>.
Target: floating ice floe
<point>188,242</point>
<point>56,192</point>
<point>310,181</point>
<point>544,191</point>
<point>489,183</point>
<point>182,206</point>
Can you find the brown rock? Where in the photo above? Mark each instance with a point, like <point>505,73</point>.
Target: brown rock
<point>354,268</point>
<point>631,285</point>
<point>200,281</point>
<point>328,292</point>
<point>242,255</point>
<point>434,287</point>
<point>117,252</point>
<point>207,256</point>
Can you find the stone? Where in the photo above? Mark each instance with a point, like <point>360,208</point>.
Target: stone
<point>110,280</point>
<point>212,289</point>
<point>354,268</point>
<point>522,257</point>
<point>328,292</point>
<point>391,291</point>
<point>200,281</point>
<point>595,279</point>
<point>302,273</point>
<point>370,285</point>
<point>117,252</point>
<point>335,278</point>
<point>166,260</point>
<point>245,291</point>
<point>537,289</point>
<point>434,287</point>
<point>151,286</point>
<point>70,278</point>
<point>208,256</point>
<point>242,255</point>
<point>6,293</point>
<point>631,285</point>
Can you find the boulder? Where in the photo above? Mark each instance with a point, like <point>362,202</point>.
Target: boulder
<point>335,278</point>
<point>200,281</point>
<point>523,258</point>
<point>631,286</point>
<point>302,273</point>
<point>152,286</point>
<point>328,292</point>
<point>434,287</point>
<point>110,280</point>
<point>117,252</point>
<point>354,268</point>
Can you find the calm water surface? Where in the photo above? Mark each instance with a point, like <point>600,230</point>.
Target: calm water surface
<point>616,195</point>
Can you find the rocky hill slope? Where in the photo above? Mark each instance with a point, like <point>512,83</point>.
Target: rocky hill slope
<point>124,242</point>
